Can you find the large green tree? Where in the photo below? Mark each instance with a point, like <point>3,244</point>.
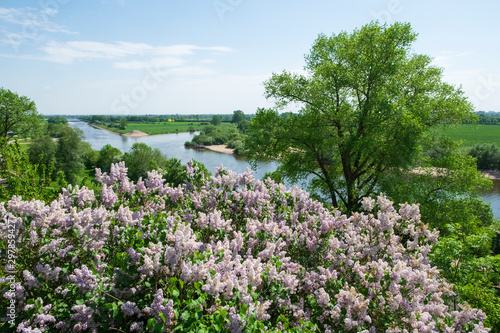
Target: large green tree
<point>216,120</point>
<point>17,114</point>
<point>142,158</point>
<point>107,156</point>
<point>238,116</point>
<point>365,104</point>
<point>42,152</point>
<point>70,154</point>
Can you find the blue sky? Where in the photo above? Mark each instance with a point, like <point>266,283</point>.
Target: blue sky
<point>211,56</point>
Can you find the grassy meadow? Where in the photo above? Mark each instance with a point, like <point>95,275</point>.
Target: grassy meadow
<point>472,135</point>
<point>158,127</point>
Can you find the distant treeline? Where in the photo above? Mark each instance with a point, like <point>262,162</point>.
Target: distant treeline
<point>107,119</point>
<point>488,118</point>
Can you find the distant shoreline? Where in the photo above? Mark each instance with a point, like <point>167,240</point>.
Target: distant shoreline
<point>134,133</point>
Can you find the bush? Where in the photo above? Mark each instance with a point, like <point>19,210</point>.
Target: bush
<point>219,138</point>
<point>42,152</point>
<point>487,156</point>
<point>141,158</point>
<point>220,254</point>
<point>108,155</point>
<point>239,150</point>
<point>203,140</point>
<point>235,143</point>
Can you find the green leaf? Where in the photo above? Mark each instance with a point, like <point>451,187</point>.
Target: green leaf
<point>38,303</point>
<point>151,324</point>
<point>185,315</point>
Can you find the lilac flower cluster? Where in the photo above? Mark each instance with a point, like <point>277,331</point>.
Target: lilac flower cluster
<point>250,248</point>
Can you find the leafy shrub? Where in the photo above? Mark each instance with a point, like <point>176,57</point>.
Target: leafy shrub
<point>488,156</point>
<point>239,150</point>
<point>203,140</point>
<point>221,254</point>
<point>235,143</point>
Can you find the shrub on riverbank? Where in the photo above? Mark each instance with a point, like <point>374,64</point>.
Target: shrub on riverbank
<point>221,254</point>
<point>224,134</point>
<point>487,156</point>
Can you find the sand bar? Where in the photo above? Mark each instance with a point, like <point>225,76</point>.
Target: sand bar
<point>135,134</point>
<point>220,149</point>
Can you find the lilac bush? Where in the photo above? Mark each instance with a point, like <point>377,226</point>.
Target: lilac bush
<point>225,253</point>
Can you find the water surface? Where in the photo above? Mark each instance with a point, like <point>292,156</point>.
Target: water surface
<point>172,145</point>
<point>493,196</point>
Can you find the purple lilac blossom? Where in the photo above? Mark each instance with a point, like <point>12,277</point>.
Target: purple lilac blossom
<point>236,238</point>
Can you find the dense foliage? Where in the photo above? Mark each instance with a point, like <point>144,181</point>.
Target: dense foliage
<point>221,254</point>
<point>365,104</point>
<point>18,114</point>
<point>487,156</point>
<point>231,135</point>
<point>488,118</point>
<point>25,179</point>
<point>57,120</point>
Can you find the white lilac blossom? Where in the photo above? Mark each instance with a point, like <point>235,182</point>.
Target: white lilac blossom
<point>84,318</point>
<point>84,279</point>
<point>48,273</point>
<point>31,281</point>
<point>245,249</point>
<point>368,204</point>
<point>129,309</point>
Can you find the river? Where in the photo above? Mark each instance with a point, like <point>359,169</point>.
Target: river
<point>172,145</point>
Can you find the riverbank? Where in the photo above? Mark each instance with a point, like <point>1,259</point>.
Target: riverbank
<point>134,133</point>
<point>220,149</point>
<point>491,174</point>
<point>153,128</point>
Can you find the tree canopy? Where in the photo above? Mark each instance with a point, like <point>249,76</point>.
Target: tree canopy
<point>365,106</point>
<point>216,120</point>
<point>141,158</point>
<point>238,116</point>
<point>17,114</point>
<point>70,154</point>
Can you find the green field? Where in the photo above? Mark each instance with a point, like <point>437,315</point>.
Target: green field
<point>472,135</point>
<point>158,127</point>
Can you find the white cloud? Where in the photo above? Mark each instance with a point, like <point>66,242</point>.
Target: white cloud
<point>447,58</point>
<point>68,52</point>
<point>155,63</point>
<point>32,21</point>
<point>188,70</point>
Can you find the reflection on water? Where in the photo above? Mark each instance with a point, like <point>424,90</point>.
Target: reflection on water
<point>493,196</point>
<point>171,145</point>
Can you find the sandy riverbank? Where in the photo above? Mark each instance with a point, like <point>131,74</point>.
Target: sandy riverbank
<point>491,174</point>
<point>134,133</point>
<point>220,149</point>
